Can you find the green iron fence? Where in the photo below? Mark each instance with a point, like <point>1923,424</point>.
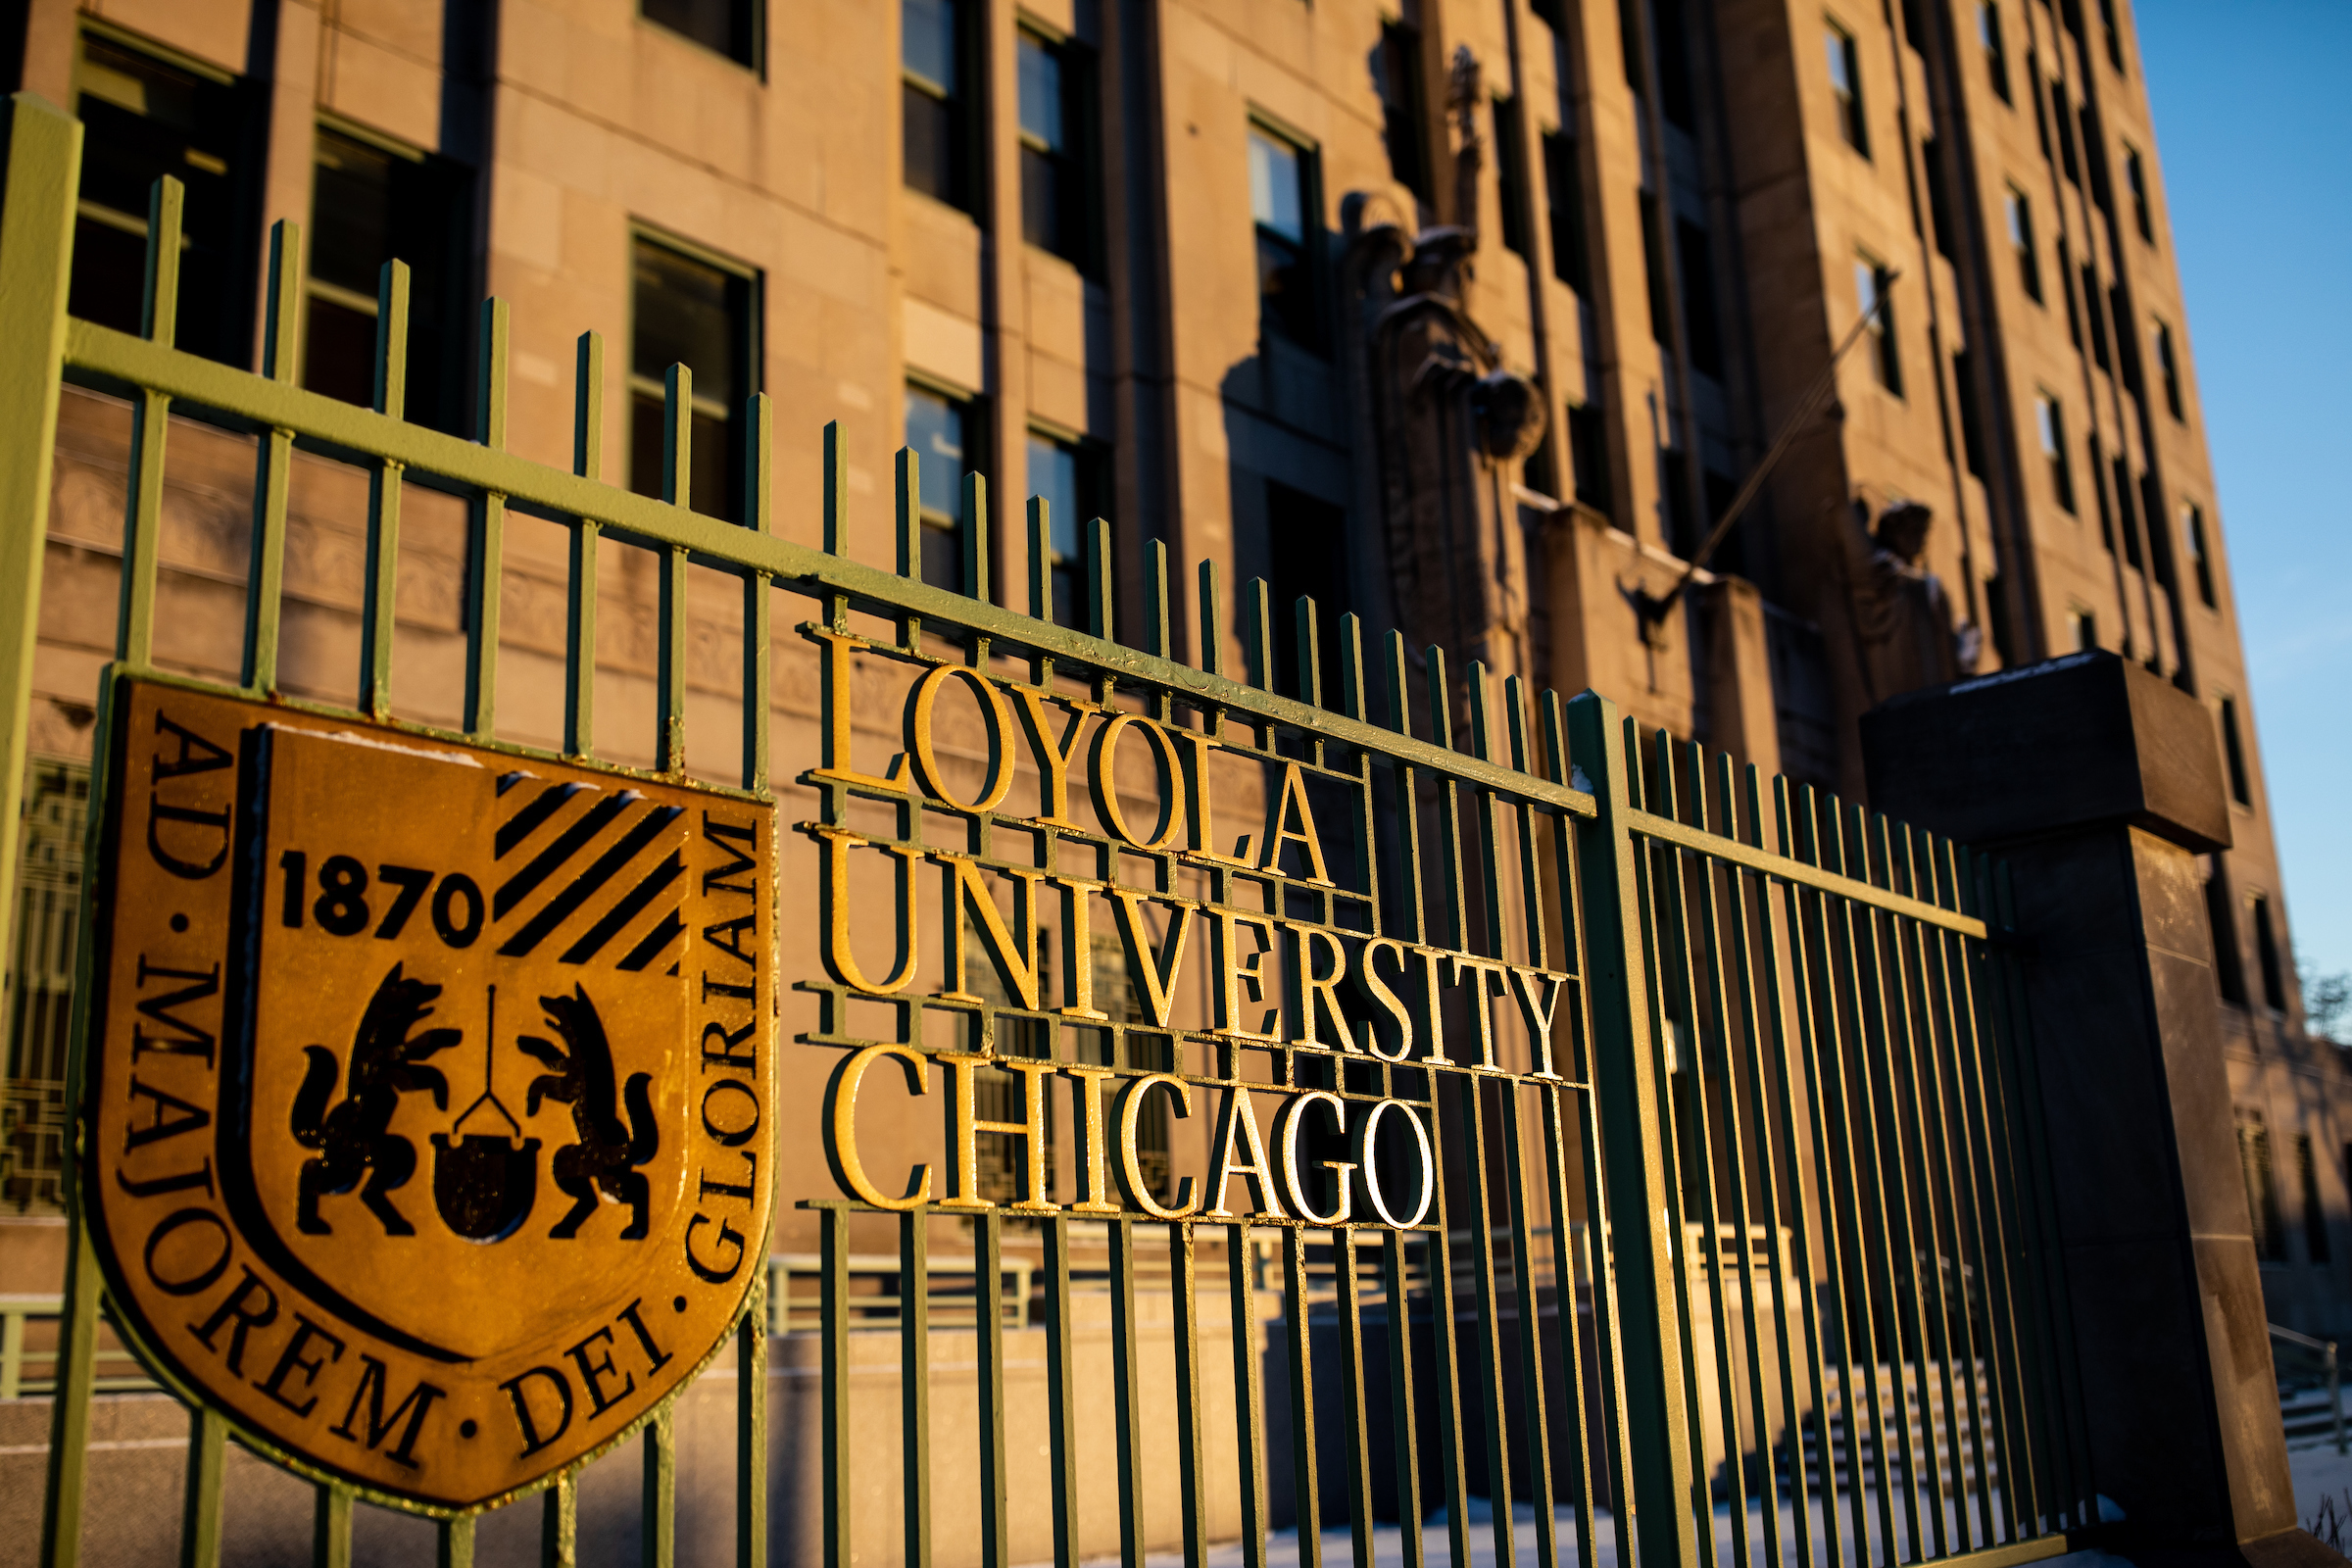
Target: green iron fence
<point>1738,1255</point>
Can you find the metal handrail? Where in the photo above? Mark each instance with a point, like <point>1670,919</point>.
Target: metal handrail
<point>2328,1363</point>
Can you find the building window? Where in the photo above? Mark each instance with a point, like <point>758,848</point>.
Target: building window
<point>144,118</point>
<point>2096,307</point>
<point>2201,555</point>
<point>2135,179</point>
<point>2114,31</point>
<point>2049,420</point>
<point>1695,258</point>
<point>1996,53</point>
<point>2228,965</point>
<point>2234,754</point>
<point>935,53</point>
<point>1062,474</point>
<point>1058,207</point>
<point>693,310</point>
<point>2086,628</point>
<point>1281,198</point>
<point>1588,450</point>
<point>2262,1191</point>
<point>1971,416</point>
<point>2266,953</point>
<point>1564,195</point>
<point>2020,212</point>
<point>1845,86</point>
<point>1307,558</point>
<point>1510,174</point>
<point>2167,365</point>
<point>1886,358</point>
<point>943,431</point>
<point>731,27</point>
<point>371,205</point>
<point>1404,126</point>
<point>2314,1217</point>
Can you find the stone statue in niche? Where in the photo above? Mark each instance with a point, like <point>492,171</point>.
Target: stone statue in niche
<point>1441,422</point>
<point>1902,617</point>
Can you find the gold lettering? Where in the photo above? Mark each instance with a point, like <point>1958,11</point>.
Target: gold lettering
<point>1078,948</point>
<point>965,1127</point>
<point>922,742</point>
<point>1429,1016</point>
<point>1286,1132</point>
<point>1239,1129</point>
<point>1203,840</point>
<point>968,892</point>
<point>833,897</point>
<point>836,726</point>
<point>1540,1013</point>
<point>841,1125</point>
<point>1492,979</point>
<point>1289,801</point>
<point>1396,1029</point>
<point>1167,767</point>
<point>1311,992</point>
<point>1130,1171</point>
<point>1052,756</point>
<point>1156,970</point>
<point>1236,973</point>
<point>1094,1162</point>
<point>1365,1146</point>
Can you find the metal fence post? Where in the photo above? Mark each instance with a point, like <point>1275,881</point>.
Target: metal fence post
<point>1642,1249</point>
<point>36,249</point>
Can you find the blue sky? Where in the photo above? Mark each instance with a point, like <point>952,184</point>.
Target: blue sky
<point>2254,137</point>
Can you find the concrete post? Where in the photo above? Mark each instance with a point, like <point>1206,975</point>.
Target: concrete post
<point>2100,785</point>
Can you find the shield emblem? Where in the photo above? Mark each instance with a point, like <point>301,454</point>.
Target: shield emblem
<point>428,1096</point>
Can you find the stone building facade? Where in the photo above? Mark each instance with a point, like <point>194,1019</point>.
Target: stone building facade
<point>1471,318</point>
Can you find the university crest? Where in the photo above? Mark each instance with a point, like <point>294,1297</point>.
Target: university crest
<point>426,1119</point>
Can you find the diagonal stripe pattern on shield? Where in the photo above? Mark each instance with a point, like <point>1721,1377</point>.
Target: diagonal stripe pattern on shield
<point>584,865</point>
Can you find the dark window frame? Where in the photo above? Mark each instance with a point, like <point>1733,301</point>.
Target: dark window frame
<point>1404,112</point>
<point>1886,352</point>
<point>2168,366</point>
<point>2136,177</point>
<point>2233,752</point>
<point>2201,553</point>
<point>747,42</point>
<point>2018,209</point>
<point>1845,59</point>
<point>1070,574</point>
<point>1300,320</point>
<point>958,114</point>
<point>746,287</point>
<point>1995,46</point>
<point>2049,415</point>
<point>1075,167</point>
<point>944,541</point>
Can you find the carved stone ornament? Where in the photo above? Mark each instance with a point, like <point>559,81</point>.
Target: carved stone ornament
<point>427,1119</point>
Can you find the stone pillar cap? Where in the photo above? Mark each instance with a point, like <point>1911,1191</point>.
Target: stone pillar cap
<point>2077,742</point>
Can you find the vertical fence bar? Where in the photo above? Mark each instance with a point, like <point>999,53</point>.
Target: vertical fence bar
<point>759,673</point>
<point>453,1546</point>
<point>1477,1181</point>
<point>377,609</point>
<point>150,421</point>
<point>914,1379</point>
<point>200,1511</point>
<point>559,1523</point>
<point>988,1304</point>
<point>487,538</point>
<point>669,593</point>
<point>1249,1397</point>
<point>1061,1395</point>
<point>1297,1341</point>
<point>265,576</point>
<point>834,1243</point>
<point>750,1429</point>
<point>1565,1311</point>
<point>1449,1369</point>
<point>1649,1338</point>
<point>1352,1374</point>
<point>1404,1431</point>
<point>36,240</point>
<point>657,1526</point>
<point>1531,1375</point>
<point>1127,1392</point>
<point>1184,1283</point>
<point>330,1527</point>
<point>588,461</point>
